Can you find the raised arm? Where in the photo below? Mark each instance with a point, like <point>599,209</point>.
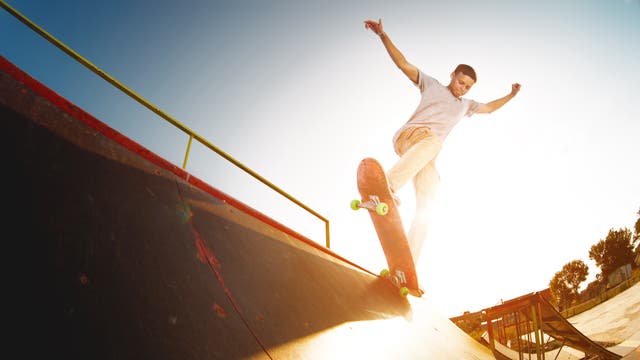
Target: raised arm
<point>407,68</point>
<point>497,104</point>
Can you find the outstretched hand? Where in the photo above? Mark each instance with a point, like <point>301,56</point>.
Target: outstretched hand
<point>515,88</point>
<point>374,26</point>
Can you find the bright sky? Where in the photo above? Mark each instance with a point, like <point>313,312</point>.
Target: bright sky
<point>300,92</point>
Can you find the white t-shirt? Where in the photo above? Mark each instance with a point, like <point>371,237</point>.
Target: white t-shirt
<point>438,110</point>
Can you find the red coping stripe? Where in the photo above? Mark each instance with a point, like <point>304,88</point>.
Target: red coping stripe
<point>118,137</point>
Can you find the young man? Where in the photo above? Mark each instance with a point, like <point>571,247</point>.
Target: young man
<point>419,140</point>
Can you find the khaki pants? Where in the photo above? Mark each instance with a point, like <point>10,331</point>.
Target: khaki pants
<point>418,149</point>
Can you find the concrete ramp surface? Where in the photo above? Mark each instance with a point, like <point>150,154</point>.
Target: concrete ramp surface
<point>119,254</point>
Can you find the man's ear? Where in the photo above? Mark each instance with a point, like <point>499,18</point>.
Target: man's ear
<point>453,74</point>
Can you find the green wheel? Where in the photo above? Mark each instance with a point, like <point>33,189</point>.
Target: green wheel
<point>384,273</point>
<point>355,204</point>
<point>404,291</point>
<point>382,209</point>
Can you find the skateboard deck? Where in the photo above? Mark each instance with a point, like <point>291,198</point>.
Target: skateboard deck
<point>378,200</point>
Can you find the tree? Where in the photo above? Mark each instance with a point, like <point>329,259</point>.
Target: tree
<point>614,251</point>
<point>565,284</point>
<point>593,289</point>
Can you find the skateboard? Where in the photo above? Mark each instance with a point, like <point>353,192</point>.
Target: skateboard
<point>378,200</point>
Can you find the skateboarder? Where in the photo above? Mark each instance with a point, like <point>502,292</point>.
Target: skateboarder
<point>419,140</point>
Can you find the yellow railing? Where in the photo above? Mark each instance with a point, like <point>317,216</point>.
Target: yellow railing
<point>162,114</point>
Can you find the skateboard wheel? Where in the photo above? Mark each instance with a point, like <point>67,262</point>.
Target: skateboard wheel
<point>384,273</point>
<point>355,204</point>
<point>382,209</point>
<point>404,291</point>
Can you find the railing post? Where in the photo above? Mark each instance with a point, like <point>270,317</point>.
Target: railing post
<point>186,154</point>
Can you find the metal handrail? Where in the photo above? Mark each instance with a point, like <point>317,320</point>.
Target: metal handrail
<point>162,114</point>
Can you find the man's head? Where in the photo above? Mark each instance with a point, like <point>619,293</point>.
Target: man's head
<point>462,79</point>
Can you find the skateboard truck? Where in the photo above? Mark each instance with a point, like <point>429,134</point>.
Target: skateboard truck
<point>374,204</point>
<point>398,280</point>
<point>400,276</point>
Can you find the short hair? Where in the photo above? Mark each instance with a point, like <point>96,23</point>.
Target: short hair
<point>467,70</point>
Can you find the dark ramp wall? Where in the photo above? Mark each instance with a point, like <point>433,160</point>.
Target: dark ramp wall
<point>112,254</point>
